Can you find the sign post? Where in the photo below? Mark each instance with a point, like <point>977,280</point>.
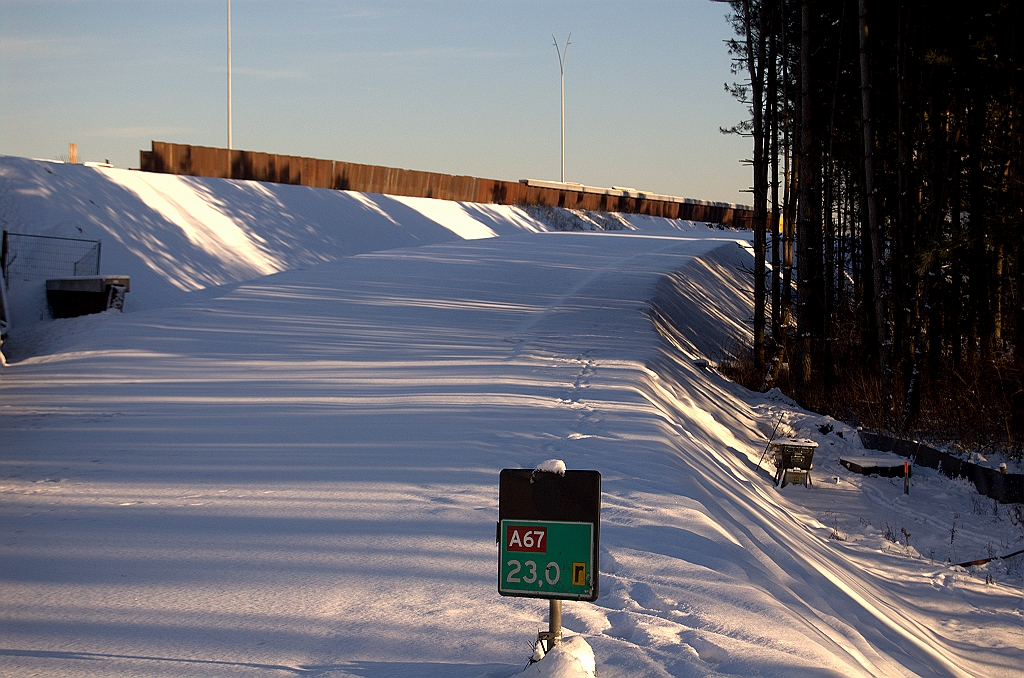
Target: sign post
<point>549,526</point>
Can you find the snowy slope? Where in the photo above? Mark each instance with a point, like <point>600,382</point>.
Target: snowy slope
<point>179,235</point>
<point>296,473</point>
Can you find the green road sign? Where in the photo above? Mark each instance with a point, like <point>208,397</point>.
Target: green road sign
<point>547,559</point>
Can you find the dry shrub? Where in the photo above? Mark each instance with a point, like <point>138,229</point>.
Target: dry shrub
<point>977,406</point>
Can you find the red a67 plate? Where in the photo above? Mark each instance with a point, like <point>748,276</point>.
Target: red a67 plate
<point>526,538</point>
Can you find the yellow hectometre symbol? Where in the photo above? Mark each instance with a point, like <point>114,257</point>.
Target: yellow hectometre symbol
<point>579,574</point>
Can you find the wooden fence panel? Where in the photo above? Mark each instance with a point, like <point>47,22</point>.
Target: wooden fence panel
<point>296,164</point>
<point>432,184</point>
<point>344,175</point>
<point>285,170</point>
<point>460,185</point>
<point>288,172</point>
<point>260,166</point>
<point>392,180</point>
<point>454,186</point>
<point>220,160</point>
<point>362,179</point>
<point>535,196</point>
<point>308,175</point>
<point>444,186</point>
<point>379,179</point>
<point>432,189</point>
<point>210,162</point>
<point>234,159</point>
<point>274,168</point>
<point>379,182</point>
<point>241,165</point>
<point>179,159</point>
<point>324,174</point>
<point>463,188</point>
<point>408,182</point>
<point>340,182</point>
<point>521,192</point>
<point>383,179</point>
<point>376,179</point>
<point>420,184</point>
<point>484,190</point>
<point>358,178</point>
<point>282,169</point>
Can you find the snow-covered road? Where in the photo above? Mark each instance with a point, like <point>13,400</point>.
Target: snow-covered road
<point>296,474</point>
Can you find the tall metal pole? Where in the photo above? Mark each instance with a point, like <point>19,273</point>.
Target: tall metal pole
<point>229,75</point>
<point>561,67</point>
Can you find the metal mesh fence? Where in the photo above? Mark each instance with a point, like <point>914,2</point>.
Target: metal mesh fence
<point>45,256</point>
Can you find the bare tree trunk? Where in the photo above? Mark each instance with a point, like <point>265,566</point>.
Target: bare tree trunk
<point>755,68</point>
<point>874,226</point>
<point>789,173</point>
<point>979,263</point>
<point>997,296</point>
<point>840,247</point>
<point>829,222</point>
<point>907,223</point>
<point>805,222</point>
<point>773,108</point>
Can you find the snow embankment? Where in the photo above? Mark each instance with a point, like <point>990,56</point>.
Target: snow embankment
<point>185,238</point>
<point>178,235</point>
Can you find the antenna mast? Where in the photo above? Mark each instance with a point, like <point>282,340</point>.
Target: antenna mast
<point>561,67</point>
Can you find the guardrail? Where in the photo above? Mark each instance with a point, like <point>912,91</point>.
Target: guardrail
<point>204,161</point>
<point>1006,487</point>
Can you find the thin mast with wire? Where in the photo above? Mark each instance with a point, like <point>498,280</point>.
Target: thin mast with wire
<point>561,67</point>
<point>229,75</point>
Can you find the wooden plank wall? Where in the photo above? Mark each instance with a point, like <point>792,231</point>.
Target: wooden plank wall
<point>204,161</point>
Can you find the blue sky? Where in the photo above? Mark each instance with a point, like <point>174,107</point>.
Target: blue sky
<point>456,87</point>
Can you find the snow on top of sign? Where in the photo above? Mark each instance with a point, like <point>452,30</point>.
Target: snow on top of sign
<point>551,466</point>
<point>795,442</point>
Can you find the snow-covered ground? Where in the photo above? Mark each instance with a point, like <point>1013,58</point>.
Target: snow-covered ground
<point>283,458</point>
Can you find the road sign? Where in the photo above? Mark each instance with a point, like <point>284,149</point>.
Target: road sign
<point>549,527</point>
<point>547,559</point>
